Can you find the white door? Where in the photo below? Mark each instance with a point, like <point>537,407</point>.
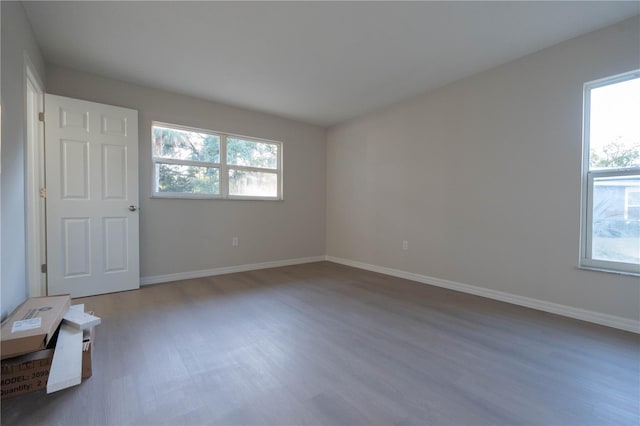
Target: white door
<point>92,197</point>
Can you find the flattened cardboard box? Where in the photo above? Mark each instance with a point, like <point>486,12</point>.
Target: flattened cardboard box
<point>26,373</point>
<point>30,327</point>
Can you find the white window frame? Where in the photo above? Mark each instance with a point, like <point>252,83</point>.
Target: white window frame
<point>222,166</point>
<point>588,177</point>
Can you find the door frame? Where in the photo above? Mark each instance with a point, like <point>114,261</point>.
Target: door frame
<point>34,180</point>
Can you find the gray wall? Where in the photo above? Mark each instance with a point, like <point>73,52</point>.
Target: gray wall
<point>482,177</point>
<point>192,235</point>
<point>16,39</point>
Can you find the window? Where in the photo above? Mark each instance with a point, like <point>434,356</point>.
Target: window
<point>194,163</point>
<point>632,203</point>
<point>611,175</point>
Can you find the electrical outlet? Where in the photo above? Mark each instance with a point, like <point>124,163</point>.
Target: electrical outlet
<point>405,245</point>
<point>234,241</point>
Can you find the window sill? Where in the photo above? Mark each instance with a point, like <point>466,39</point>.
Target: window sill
<point>212,197</point>
<point>610,271</point>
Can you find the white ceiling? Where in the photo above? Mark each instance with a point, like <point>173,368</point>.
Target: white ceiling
<point>317,62</point>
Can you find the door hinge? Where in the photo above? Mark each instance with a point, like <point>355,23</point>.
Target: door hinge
<point>41,116</point>
<point>43,192</point>
<point>43,268</point>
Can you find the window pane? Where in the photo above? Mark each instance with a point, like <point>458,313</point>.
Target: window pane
<point>257,184</point>
<point>616,220</point>
<point>187,179</point>
<point>185,145</point>
<point>614,131</point>
<point>253,154</point>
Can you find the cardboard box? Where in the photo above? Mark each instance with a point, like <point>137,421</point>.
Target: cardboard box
<point>29,372</point>
<point>32,325</point>
<point>87,353</point>
<point>25,373</point>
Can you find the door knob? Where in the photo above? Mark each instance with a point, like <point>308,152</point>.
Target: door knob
<point>132,208</point>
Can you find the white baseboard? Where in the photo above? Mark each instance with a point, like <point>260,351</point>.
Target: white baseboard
<point>157,279</point>
<point>541,305</point>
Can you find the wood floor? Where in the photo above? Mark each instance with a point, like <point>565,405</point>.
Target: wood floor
<point>328,344</point>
